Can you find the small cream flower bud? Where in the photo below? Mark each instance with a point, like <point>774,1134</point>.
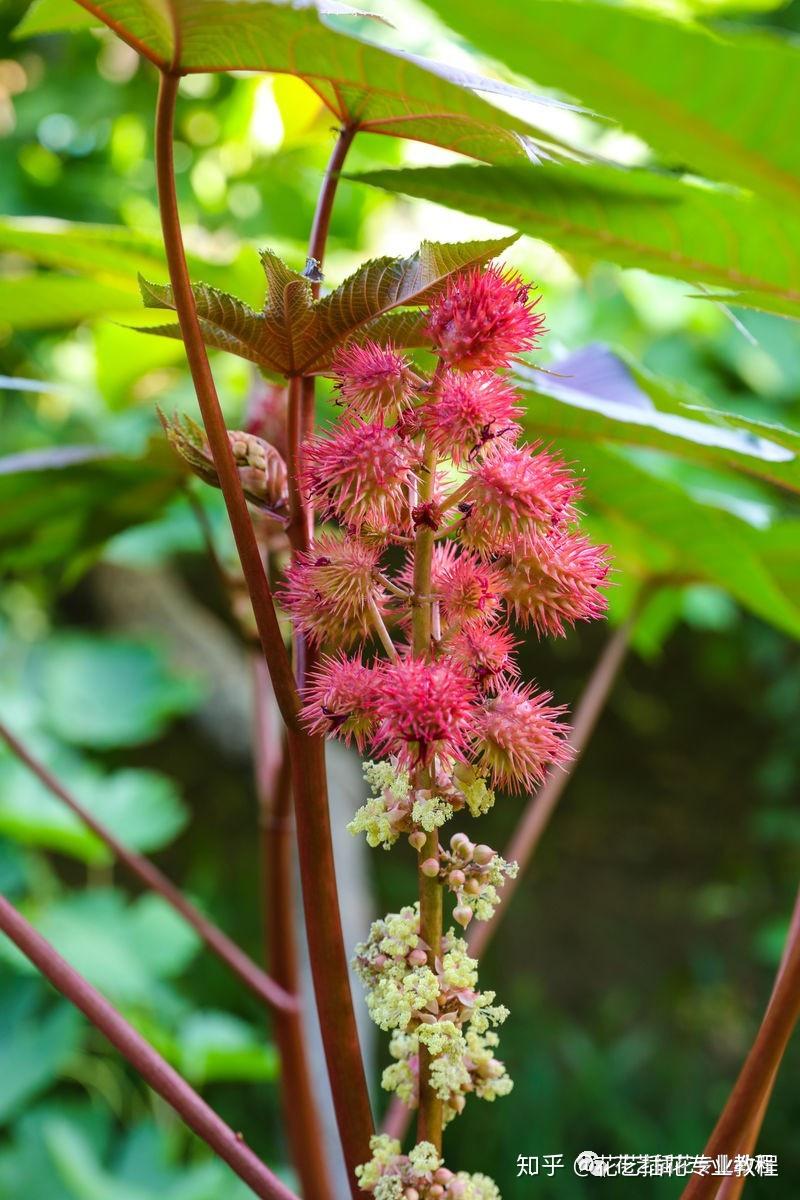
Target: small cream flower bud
<point>436,1192</point>
<point>456,879</point>
<point>417,958</point>
<point>463,915</point>
<point>417,839</point>
<point>430,867</point>
<point>411,1193</point>
<point>442,1175</point>
<point>473,886</point>
<point>464,850</point>
<point>483,855</point>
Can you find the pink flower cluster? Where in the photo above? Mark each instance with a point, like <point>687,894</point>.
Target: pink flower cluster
<point>440,457</point>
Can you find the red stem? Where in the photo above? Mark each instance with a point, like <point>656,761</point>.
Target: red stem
<point>307,754</point>
<point>322,216</point>
<point>140,1054</point>
<point>301,1116</point>
<point>252,566</point>
<point>329,967</point>
<point>755,1083</point>
<point>251,975</point>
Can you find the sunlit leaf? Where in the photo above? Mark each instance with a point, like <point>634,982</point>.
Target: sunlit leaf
<point>657,528</point>
<point>633,218</point>
<point>294,333</point>
<point>723,103</point>
<point>381,90</point>
<point>594,394</point>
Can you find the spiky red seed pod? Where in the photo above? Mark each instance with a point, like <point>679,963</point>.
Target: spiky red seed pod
<point>339,700</point>
<point>486,654</point>
<point>515,492</point>
<point>555,580</point>
<point>327,590</point>
<point>468,411</point>
<point>375,382</point>
<point>520,736</point>
<point>358,474</point>
<point>483,319</point>
<point>470,591</point>
<point>425,710</point>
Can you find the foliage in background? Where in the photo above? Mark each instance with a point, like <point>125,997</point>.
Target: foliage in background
<point>683,413</point>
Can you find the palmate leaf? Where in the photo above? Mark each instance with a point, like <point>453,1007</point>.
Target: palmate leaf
<point>595,395</point>
<point>59,507</point>
<point>380,90</point>
<point>657,528</point>
<point>724,103</point>
<point>295,334</point>
<point>633,218</point>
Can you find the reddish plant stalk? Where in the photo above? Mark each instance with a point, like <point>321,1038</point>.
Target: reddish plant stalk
<point>252,566</point>
<point>732,1186</point>
<point>322,216</point>
<point>306,753</point>
<point>161,1077</point>
<point>751,1090</point>
<point>300,1112</point>
<point>243,967</point>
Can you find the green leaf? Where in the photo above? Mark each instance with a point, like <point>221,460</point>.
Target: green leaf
<point>633,218</point>
<point>59,507</point>
<point>657,529</point>
<point>34,1047</point>
<point>723,103</point>
<point>381,90</point>
<point>125,950</point>
<point>113,255</point>
<point>46,300</point>
<point>296,334</point>
<point>106,692</point>
<point>142,808</point>
<point>600,396</point>
<point>217,1046</point>
<point>52,16</point>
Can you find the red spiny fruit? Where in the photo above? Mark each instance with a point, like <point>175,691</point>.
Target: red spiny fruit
<point>483,319</point>
<point>519,736</point>
<point>426,710</point>
<point>514,493</point>
<point>554,581</point>
<point>486,654</point>
<point>375,382</point>
<point>339,700</point>
<point>328,590</point>
<point>469,410</point>
<point>470,590</point>
<point>359,473</point>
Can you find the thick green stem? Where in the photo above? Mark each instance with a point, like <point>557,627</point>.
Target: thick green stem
<point>431,893</point>
<point>429,1128</point>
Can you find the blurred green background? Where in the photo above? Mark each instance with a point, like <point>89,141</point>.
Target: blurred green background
<point>640,950</point>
